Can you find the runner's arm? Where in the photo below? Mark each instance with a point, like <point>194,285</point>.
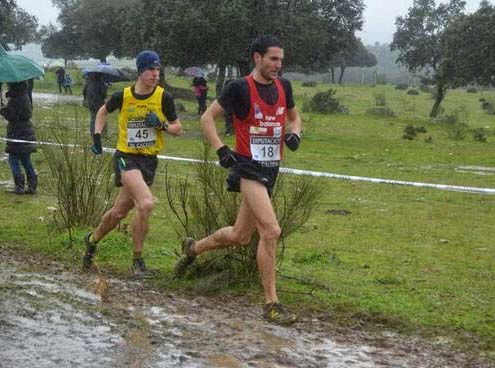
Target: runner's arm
<point>174,127</point>
<point>101,119</point>
<point>294,121</point>
<point>208,123</point>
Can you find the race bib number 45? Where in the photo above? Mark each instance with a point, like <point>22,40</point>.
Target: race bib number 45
<point>139,135</point>
<point>265,148</point>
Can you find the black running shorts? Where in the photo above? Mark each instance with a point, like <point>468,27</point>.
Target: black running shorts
<point>264,172</point>
<point>127,161</point>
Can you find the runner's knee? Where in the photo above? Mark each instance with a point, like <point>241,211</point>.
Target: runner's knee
<point>270,232</point>
<point>145,205</point>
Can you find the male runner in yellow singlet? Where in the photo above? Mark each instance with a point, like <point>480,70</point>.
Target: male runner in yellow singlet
<point>146,113</point>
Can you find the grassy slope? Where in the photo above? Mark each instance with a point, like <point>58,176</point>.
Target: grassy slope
<point>420,259</point>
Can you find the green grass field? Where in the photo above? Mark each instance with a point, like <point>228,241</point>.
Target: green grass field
<point>418,260</point>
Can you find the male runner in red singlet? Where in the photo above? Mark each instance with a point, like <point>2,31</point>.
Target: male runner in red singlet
<point>262,104</point>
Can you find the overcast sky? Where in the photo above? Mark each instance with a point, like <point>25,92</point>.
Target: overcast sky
<point>379,16</point>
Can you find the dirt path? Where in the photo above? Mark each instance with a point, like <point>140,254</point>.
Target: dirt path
<point>54,317</point>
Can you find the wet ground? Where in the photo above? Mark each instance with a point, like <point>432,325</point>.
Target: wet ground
<point>53,98</point>
<point>54,317</point>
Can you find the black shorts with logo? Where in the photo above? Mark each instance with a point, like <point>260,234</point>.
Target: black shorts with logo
<point>264,172</point>
<point>127,161</point>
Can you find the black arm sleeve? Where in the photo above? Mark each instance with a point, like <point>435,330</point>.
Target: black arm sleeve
<point>115,102</point>
<point>289,99</point>
<point>168,107</point>
<point>235,97</point>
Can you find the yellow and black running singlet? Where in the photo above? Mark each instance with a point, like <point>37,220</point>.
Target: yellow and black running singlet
<point>134,136</point>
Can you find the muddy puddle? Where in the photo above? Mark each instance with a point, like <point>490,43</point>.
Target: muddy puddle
<point>52,317</point>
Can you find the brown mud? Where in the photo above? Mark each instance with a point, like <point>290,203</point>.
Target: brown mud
<point>54,316</point>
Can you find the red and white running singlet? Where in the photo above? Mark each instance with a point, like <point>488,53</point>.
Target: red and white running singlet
<point>260,135</point>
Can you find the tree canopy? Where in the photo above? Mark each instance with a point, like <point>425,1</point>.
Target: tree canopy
<point>199,32</point>
<point>418,39</point>
<point>17,26</point>
<point>469,48</point>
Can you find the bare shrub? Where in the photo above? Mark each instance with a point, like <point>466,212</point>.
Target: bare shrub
<point>81,182</point>
<point>202,205</point>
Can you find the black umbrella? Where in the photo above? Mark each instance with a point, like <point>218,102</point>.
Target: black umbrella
<point>108,72</point>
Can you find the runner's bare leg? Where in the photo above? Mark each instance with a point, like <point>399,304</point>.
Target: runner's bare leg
<point>143,200</point>
<point>239,234</point>
<point>259,202</point>
<point>121,207</point>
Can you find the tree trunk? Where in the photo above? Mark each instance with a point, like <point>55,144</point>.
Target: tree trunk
<point>438,100</point>
<point>342,70</point>
<point>220,79</point>
<point>103,60</point>
<point>244,68</point>
<point>332,72</point>
<point>65,63</point>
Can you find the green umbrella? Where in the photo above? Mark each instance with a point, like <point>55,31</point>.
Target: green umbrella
<point>16,68</point>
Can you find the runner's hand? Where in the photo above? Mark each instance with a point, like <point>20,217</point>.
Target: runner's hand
<point>153,120</point>
<point>226,157</point>
<point>96,148</point>
<point>292,141</point>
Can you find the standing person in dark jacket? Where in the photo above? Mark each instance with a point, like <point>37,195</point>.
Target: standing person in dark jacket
<point>18,114</point>
<point>95,92</point>
<point>60,72</point>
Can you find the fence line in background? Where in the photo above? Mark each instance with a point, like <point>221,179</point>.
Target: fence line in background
<point>457,188</point>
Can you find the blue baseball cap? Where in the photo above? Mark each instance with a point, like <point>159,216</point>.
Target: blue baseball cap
<point>147,59</point>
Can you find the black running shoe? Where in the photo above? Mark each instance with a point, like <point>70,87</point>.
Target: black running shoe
<point>139,268</point>
<point>187,258</point>
<point>90,252</point>
<point>276,313</point>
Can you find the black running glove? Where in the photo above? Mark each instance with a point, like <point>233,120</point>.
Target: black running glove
<point>96,147</point>
<point>292,141</point>
<point>226,157</point>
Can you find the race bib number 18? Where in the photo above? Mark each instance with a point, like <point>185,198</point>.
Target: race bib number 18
<point>265,148</point>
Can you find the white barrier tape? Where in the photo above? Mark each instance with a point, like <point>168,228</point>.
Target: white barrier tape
<point>457,188</point>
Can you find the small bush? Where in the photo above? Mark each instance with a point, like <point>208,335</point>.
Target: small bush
<point>380,111</point>
<point>309,84</point>
<point>479,135</point>
<point>411,132</point>
<point>458,131</point>
<point>326,103</point>
<point>457,123</point>
<point>425,89</point>
<point>481,99</point>
<point>380,99</point>
<point>202,206</point>
<point>471,90</point>
<point>81,183</point>
<point>401,87</point>
<point>413,92</point>
<point>489,107</point>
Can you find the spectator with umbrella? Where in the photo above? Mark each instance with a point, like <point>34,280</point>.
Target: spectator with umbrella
<point>60,73</point>
<point>16,70</point>
<point>95,88</point>
<point>18,114</point>
<point>94,93</point>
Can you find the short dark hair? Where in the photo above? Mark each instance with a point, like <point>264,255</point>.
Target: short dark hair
<point>262,43</point>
